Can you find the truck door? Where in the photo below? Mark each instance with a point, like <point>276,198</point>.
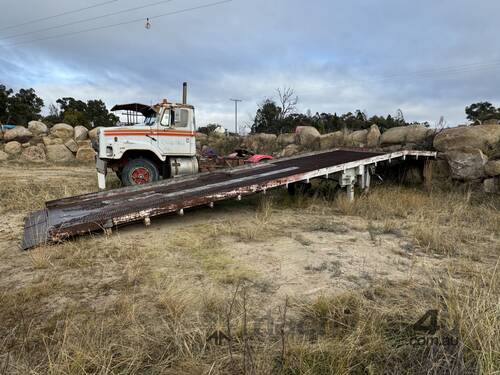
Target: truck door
<point>175,133</point>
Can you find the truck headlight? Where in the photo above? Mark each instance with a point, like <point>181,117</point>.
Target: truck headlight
<point>109,151</point>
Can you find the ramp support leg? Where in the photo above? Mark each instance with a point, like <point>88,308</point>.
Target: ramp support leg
<point>350,192</point>
<point>348,179</point>
<point>367,180</point>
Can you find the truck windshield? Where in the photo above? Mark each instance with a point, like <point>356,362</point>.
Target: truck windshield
<point>150,120</point>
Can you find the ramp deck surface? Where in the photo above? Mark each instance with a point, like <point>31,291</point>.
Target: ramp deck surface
<point>82,214</point>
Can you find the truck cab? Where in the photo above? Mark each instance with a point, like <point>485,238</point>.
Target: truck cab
<point>162,146</point>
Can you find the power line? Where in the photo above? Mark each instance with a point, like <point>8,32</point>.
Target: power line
<point>186,10</point>
<point>87,19</point>
<point>412,76</point>
<point>59,15</point>
<point>432,73</point>
<point>425,73</point>
<point>442,72</point>
<point>448,69</point>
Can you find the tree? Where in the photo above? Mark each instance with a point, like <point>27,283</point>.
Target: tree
<point>277,118</point>
<point>482,111</point>
<point>54,115</point>
<point>288,101</point>
<point>73,112</point>
<point>74,118</point>
<point>5,94</point>
<point>400,117</point>
<point>98,115</point>
<point>69,103</point>
<point>90,114</point>
<point>441,124</point>
<point>267,118</point>
<point>24,106</point>
<point>209,129</point>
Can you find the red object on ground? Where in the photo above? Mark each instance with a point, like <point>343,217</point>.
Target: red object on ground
<point>257,158</point>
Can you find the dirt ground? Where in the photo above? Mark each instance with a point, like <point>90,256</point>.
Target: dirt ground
<point>309,254</point>
<point>392,250</point>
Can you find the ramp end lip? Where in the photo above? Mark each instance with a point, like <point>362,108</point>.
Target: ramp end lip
<point>35,229</point>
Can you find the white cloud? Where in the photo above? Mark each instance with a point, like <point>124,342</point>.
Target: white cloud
<point>338,57</point>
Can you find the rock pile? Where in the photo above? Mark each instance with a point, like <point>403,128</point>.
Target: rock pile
<point>18,134</point>
<point>37,143</point>
<point>466,153</point>
<point>308,138</point>
<point>472,153</point>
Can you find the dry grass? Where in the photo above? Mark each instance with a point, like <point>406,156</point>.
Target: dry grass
<point>473,307</point>
<point>26,193</point>
<point>375,334</point>
<point>350,333</point>
<point>206,246</point>
<point>17,197</point>
<point>444,223</point>
<point>117,305</point>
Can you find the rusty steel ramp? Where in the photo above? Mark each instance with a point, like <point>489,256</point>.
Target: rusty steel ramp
<point>83,214</point>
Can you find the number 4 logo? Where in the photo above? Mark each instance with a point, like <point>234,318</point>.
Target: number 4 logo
<point>431,316</point>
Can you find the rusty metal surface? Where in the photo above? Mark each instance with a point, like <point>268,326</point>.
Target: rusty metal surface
<point>81,214</point>
<point>36,229</point>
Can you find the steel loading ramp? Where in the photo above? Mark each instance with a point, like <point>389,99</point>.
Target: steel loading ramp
<point>83,214</point>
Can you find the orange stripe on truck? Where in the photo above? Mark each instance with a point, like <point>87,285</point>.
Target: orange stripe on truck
<point>155,133</point>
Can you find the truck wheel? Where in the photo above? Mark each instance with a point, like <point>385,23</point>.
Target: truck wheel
<point>139,172</point>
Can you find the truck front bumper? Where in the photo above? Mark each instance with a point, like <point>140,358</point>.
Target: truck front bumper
<point>102,169</point>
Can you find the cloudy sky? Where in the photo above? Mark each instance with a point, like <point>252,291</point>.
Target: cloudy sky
<point>428,58</point>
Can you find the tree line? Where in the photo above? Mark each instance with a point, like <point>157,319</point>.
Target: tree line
<point>19,108</point>
<point>482,112</point>
<point>24,106</point>
<point>270,119</point>
<point>272,116</point>
<point>279,116</point>
<point>74,112</point>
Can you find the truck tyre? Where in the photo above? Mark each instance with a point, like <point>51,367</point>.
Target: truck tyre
<point>139,172</point>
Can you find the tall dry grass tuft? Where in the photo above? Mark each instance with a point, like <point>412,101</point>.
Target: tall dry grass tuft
<point>205,245</point>
<point>257,228</point>
<point>137,333</point>
<point>35,186</point>
<point>19,196</point>
<point>473,311</point>
<point>349,334</point>
<point>41,257</point>
<point>354,334</point>
<point>435,239</point>
<point>445,223</point>
<point>121,344</point>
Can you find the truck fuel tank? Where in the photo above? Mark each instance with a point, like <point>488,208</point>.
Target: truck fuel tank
<point>183,166</point>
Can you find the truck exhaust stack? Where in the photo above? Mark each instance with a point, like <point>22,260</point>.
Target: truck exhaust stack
<point>184,92</point>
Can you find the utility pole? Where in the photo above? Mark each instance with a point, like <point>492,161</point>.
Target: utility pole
<point>236,101</point>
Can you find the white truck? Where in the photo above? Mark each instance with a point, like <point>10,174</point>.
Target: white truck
<point>163,146</point>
